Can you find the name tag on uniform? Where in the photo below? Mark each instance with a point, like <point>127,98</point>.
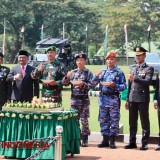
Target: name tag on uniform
<point>141,73</point>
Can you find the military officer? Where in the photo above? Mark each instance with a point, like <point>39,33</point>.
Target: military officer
<point>53,71</point>
<point>111,81</point>
<point>79,93</point>
<point>157,106</point>
<point>138,98</point>
<point>5,87</point>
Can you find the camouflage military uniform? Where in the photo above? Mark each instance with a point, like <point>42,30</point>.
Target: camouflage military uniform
<point>79,97</point>
<point>109,102</point>
<point>5,91</point>
<point>52,71</point>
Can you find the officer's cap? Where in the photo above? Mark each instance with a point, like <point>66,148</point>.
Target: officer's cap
<point>139,50</point>
<point>1,55</point>
<point>81,55</point>
<point>51,48</point>
<point>111,54</point>
<point>23,52</point>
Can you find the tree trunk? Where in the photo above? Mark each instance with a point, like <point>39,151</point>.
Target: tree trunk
<point>14,52</point>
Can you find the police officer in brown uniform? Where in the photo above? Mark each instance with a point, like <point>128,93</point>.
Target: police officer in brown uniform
<point>5,87</point>
<point>138,98</point>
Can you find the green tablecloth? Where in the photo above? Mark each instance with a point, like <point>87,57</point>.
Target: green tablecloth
<point>16,126</point>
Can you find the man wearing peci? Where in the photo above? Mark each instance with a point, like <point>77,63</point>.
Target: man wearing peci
<point>138,98</point>
<point>24,88</point>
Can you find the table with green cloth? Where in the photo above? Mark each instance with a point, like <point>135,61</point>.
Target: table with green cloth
<point>18,126</point>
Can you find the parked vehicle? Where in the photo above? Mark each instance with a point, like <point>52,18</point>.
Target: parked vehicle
<point>98,60</point>
<point>63,49</point>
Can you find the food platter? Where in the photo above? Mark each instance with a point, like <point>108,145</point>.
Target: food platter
<point>47,81</point>
<point>76,82</point>
<point>105,83</point>
<point>38,110</point>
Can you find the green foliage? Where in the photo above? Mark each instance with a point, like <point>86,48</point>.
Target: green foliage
<point>76,15</point>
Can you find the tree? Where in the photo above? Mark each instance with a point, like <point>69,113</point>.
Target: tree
<point>17,15</point>
<point>137,15</point>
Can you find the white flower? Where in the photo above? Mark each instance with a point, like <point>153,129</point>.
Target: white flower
<point>49,117</point>
<point>27,116</point>
<point>35,117</point>
<point>42,117</point>
<point>2,114</point>
<point>13,115</point>
<point>21,115</point>
<point>59,118</point>
<point>7,115</point>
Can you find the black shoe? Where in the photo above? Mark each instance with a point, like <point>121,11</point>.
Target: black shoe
<point>130,146</point>
<point>144,147</point>
<point>84,143</point>
<point>112,142</point>
<point>157,148</point>
<point>113,146</point>
<point>102,145</point>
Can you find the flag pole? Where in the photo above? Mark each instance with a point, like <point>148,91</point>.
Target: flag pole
<point>87,41</point>
<point>149,38</point>
<point>42,32</point>
<point>63,30</point>
<point>4,37</point>
<point>106,42</point>
<point>126,39</point>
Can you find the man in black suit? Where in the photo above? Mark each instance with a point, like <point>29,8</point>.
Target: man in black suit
<point>23,86</point>
<point>157,106</point>
<point>138,98</point>
<point>5,87</point>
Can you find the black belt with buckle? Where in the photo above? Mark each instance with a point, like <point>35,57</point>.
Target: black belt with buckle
<point>79,96</point>
<point>110,93</point>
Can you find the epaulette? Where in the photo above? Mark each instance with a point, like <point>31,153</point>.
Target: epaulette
<point>75,70</point>
<point>134,65</point>
<point>148,65</point>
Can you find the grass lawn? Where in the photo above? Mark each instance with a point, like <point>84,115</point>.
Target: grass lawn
<point>93,121</point>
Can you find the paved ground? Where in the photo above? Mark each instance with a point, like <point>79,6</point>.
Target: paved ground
<point>94,153</point>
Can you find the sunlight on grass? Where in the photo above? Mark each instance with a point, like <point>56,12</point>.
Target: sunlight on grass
<point>93,120</point>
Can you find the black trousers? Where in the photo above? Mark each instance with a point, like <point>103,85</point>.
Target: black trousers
<point>143,110</point>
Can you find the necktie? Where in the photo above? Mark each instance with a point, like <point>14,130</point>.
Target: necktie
<point>23,71</point>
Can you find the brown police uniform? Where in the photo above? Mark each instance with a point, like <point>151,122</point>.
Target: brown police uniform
<point>138,98</point>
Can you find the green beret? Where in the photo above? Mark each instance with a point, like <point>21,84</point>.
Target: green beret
<point>51,48</point>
